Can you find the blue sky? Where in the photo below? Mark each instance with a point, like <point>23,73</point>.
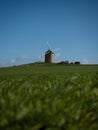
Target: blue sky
<point>27,25</point>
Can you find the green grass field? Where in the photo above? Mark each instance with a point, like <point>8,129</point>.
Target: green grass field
<point>49,97</point>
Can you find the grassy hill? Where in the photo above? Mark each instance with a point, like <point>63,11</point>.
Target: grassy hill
<point>49,97</point>
<point>47,68</point>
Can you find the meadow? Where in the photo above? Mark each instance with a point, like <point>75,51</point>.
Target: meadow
<point>49,97</point>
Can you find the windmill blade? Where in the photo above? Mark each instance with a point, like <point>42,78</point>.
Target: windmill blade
<point>57,57</point>
<point>56,49</point>
<point>48,45</point>
<point>41,57</point>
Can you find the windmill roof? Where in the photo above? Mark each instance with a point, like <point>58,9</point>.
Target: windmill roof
<point>49,51</point>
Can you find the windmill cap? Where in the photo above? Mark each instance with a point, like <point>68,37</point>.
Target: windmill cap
<point>49,51</point>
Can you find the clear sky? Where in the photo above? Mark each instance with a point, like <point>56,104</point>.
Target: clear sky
<point>27,25</point>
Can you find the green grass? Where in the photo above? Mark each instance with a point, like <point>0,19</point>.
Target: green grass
<point>49,97</point>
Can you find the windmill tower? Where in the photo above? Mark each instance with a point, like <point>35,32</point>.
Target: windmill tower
<point>49,55</point>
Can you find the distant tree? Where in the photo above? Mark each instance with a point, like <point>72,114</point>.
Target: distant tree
<point>77,62</point>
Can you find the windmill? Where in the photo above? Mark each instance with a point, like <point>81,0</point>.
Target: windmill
<point>49,54</point>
